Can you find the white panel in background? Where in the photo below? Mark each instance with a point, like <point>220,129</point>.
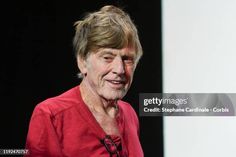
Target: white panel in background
<point>199,56</point>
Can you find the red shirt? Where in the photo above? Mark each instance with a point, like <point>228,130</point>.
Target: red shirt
<point>64,126</point>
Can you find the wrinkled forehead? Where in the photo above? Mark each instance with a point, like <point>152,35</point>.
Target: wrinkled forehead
<point>125,51</point>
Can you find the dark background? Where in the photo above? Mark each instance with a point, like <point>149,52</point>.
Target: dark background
<point>37,62</point>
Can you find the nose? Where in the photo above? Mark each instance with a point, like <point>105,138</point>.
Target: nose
<point>118,66</point>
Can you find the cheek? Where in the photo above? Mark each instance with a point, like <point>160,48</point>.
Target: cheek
<point>98,71</point>
<point>93,72</point>
<point>130,71</point>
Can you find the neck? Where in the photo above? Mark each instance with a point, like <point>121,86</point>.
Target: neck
<point>95,102</point>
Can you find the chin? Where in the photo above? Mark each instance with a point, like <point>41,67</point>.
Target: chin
<point>114,95</point>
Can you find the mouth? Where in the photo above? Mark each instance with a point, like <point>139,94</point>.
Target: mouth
<point>117,84</point>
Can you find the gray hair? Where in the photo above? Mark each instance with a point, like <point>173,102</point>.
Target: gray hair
<point>110,27</point>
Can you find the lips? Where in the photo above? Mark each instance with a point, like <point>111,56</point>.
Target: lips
<point>116,83</point>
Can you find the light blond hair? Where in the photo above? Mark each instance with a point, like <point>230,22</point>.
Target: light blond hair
<point>110,27</point>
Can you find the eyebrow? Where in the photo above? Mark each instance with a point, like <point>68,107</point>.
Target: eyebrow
<point>111,52</point>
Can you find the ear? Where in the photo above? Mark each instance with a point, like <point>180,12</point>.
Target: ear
<point>82,65</point>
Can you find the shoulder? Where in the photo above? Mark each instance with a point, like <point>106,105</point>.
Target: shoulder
<point>128,112</point>
<point>58,104</point>
<point>125,106</point>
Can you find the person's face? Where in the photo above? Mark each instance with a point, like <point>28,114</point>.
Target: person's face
<point>109,72</point>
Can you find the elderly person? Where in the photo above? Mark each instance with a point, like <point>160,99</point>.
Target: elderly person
<point>90,120</point>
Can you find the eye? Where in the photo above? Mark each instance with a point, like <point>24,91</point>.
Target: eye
<point>128,60</point>
<point>108,58</point>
